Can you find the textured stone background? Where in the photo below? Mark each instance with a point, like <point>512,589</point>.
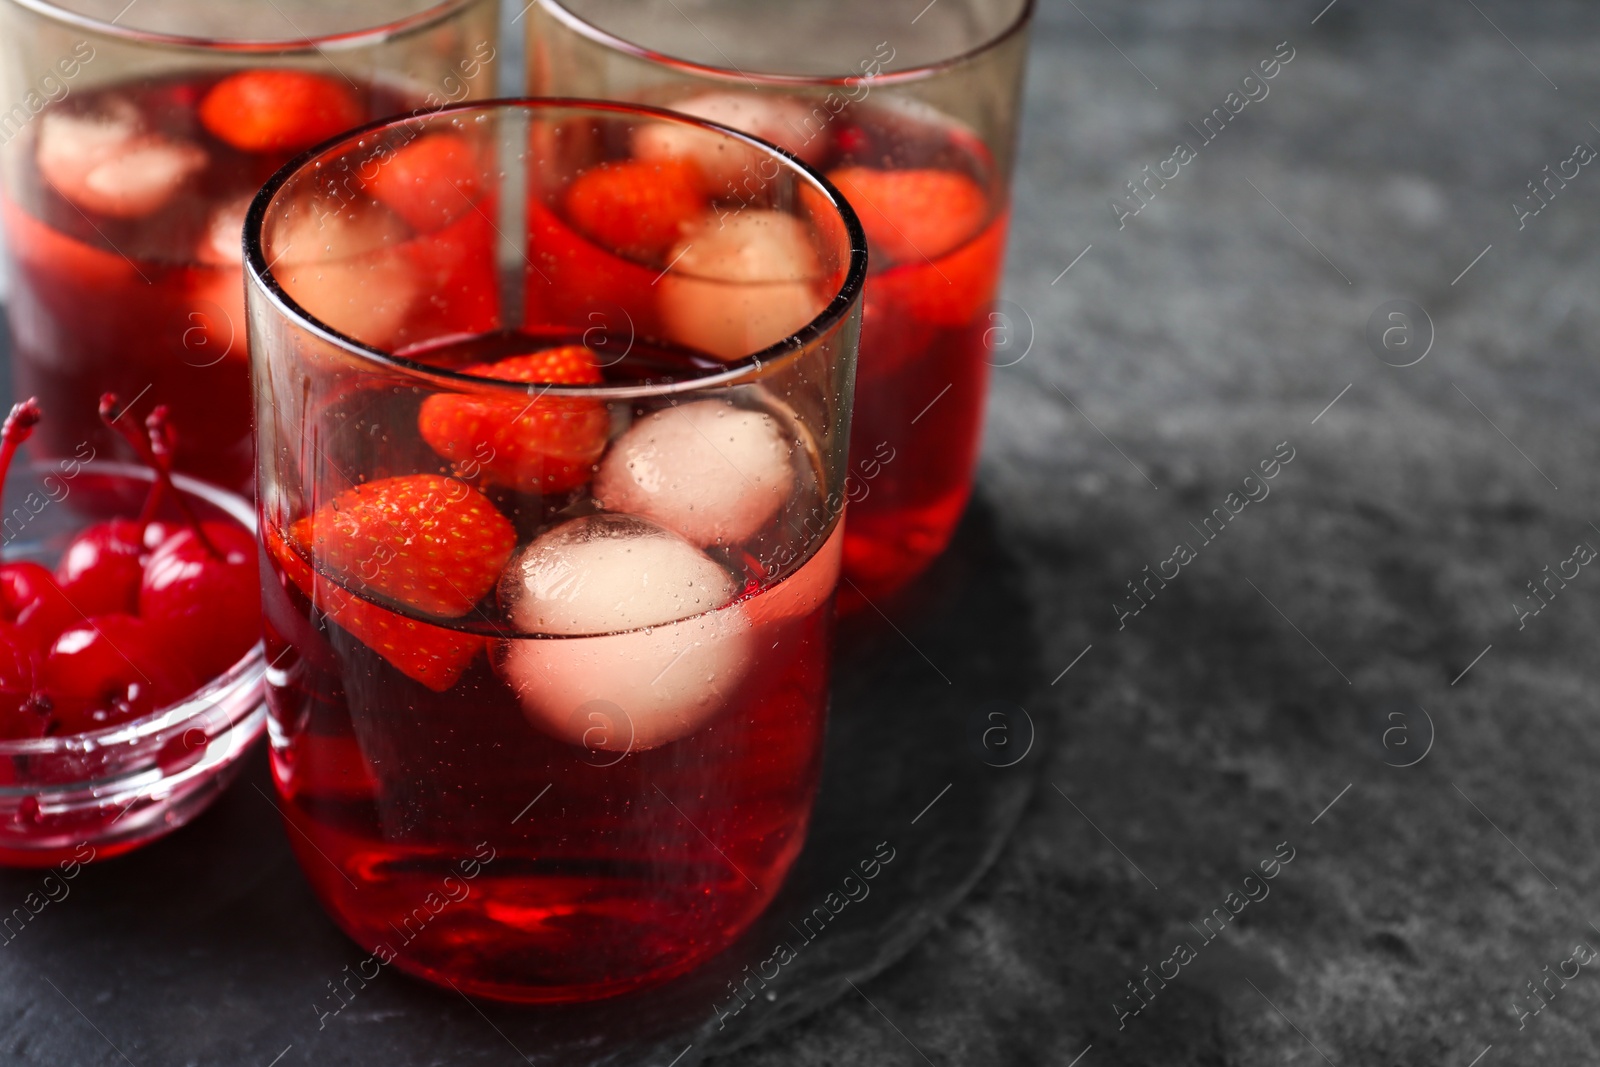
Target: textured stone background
<point>1269,693</point>
<point>1210,729</point>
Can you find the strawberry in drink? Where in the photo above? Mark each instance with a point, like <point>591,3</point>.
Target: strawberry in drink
<point>589,622</point>
<point>124,208</point>
<point>934,209</point>
<point>554,599</point>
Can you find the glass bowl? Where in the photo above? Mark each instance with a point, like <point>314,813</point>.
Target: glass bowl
<point>95,795</point>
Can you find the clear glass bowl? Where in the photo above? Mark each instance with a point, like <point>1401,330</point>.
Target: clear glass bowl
<point>100,794</point>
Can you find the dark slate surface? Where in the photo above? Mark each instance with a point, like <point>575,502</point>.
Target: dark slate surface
<point>1320,642</point>
<point>1341,673</point>
<point>208,948</point>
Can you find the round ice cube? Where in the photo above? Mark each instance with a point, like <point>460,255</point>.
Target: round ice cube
<point>81,141</point>
<point>222,244</point>
<point>712,472</point>
<point>634,583</point>
<point>343,267</point>
<point>785,122</point>
<point>103,162</point>
<point>318,232</point>
<point>605,573</point>
<point>740,283</point>
<point>143,178</point>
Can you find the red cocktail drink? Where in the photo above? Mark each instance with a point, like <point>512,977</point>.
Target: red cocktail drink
<point>936,223</point>
<point>551,604</point>
<point>914,121</point>
<point>123,201</point>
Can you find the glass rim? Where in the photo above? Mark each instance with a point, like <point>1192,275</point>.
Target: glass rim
<point>344,40</point>
<point>752,367</point>
<point>583,27</point>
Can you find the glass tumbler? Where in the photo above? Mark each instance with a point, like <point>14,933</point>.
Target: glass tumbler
<point>549,600</point>
<point>911,110</point>
<point>132,137</point>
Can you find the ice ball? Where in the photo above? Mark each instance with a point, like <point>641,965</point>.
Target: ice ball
<point>606,573</point>
<point>784,121</point>
<point>710,471</point>
<point>672,650</point>
<point>104,162</point>
<point>741,282</point>
<point>343,267</point>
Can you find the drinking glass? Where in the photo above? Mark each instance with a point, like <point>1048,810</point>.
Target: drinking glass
<point>912,111</point>
<point>549,601</point>
<point>132,137</point>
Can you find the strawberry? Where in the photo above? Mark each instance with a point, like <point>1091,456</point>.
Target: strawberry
<point>425,653</point>
<point>278,110</point>
<point>951,291</point>
<point>429,182</point>
<point>576,283</point>
<point>455,266</point>
<point>637,208</point>
<point>913,215</point>
<point>531,444</point>
<point>428,542</point>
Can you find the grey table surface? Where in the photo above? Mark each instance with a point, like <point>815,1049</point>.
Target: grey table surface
<point>1275,690</point>
<point>1351,672</point>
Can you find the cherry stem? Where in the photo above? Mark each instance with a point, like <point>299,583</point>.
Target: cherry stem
<point>17,428</point>
<point>152,503</point>
<point>155,449</point>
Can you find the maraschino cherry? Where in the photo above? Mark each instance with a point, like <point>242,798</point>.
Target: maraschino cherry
<point>20,715</point>
<point>32,609</point>
<point>144,612</point>
<point>109,669</point>
<point>201,586</point>
<point>103,566</point>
